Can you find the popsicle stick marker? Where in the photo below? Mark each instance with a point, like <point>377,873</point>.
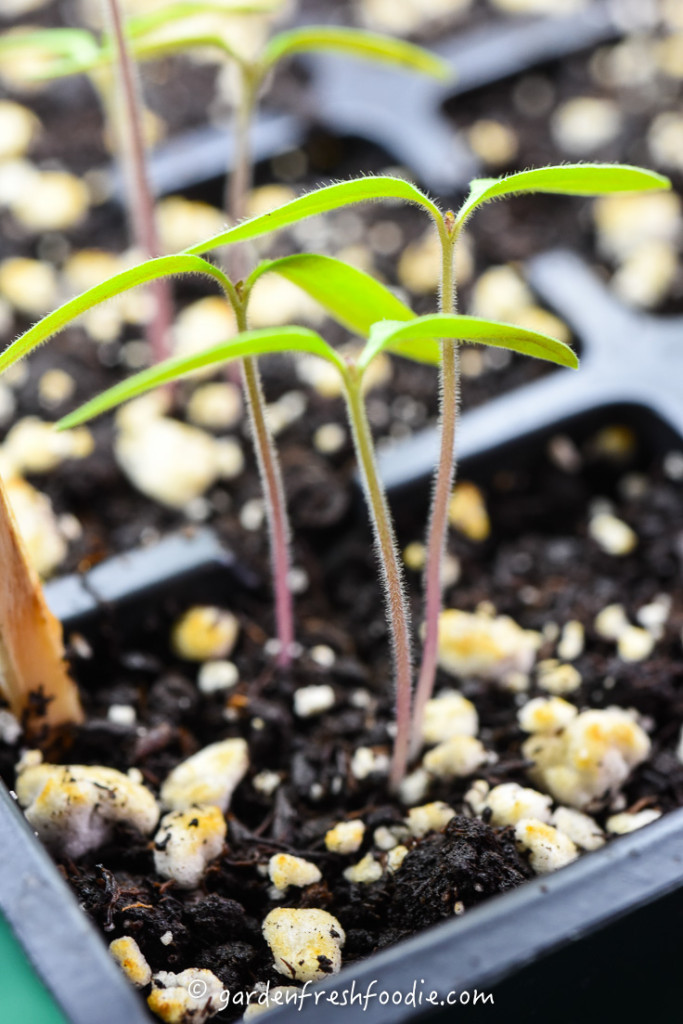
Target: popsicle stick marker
<point>34,676</point>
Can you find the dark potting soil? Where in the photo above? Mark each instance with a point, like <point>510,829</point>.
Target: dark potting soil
<point>539,566</point>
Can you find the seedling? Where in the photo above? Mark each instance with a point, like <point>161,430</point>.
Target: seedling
<point>357,300</point>
<point>568,180</point>
<point>353,298</point>
<point>63,52</point>
<point>362,304</point>
<point>148,37</point>
<point>580,180</point>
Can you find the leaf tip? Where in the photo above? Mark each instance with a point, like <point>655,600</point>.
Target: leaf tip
<point>442,69</point>
<point>71,420</point>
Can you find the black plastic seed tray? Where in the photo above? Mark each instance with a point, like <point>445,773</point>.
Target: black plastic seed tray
<point>599,940</point>
<point>61,944</point>
<point>595,942</point>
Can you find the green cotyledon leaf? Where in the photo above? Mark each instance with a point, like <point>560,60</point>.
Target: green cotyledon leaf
<point>356,43</point>
<point>353,298</point>
<point>566,180</point>
<point>321,200</point>
<point>151,270</point>
<point>467,329</point>
<point>350,296</point>
<point>248,344</point>
<point>55,48</point>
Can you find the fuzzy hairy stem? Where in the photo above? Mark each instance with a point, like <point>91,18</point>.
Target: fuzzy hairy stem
<point>142,216</point>
<point>266,455</point>
<point>276,510</point>
<point>449,400</point>
<point>387,552</point>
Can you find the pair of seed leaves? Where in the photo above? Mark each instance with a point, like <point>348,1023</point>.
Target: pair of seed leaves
<point>68,51</point>
<point>350,296</point>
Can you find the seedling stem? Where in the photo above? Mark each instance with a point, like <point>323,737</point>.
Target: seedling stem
<point>142,216</point>
<point>239,185</point>
<point>449,401</point>
<point>387,550</point>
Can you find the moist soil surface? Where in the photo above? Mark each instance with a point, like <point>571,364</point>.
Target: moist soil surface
<point>542,568</point>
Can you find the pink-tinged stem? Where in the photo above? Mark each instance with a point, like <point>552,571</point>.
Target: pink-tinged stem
<point>266,455</point>
<point>449,400</point>
<point>387,551</point>
<point>142,217</point>
<point>276,511</point>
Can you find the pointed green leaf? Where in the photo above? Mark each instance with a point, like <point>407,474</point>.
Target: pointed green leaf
<point>468,329</point>
<point>62,42</point>
<point>66,47</point>
<point>250,343</point>
<point>142,49</point>
<point>355,299</point>
<point>352,297</point>
<point>322,200</point>
<point>356,43</point>
<point>164,266</point>
<point>569,180</point>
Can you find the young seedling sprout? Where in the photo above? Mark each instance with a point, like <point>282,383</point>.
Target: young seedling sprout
<point>363,304</point>
<point>366,307</point>
<point>62,52</point>
<point>147,37</point>
<point>251,79</point>
<point>581,180</point>
<point>252,76</point>
<point>568,180</point>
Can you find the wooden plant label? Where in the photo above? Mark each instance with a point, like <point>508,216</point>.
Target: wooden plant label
<point>33,673</point>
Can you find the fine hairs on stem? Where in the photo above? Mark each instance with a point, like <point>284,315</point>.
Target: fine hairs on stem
<point>449,399</point>
<point>390,568</point>
<point>362,304</point>
<point>266,456</point>
<point>142,215</point>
